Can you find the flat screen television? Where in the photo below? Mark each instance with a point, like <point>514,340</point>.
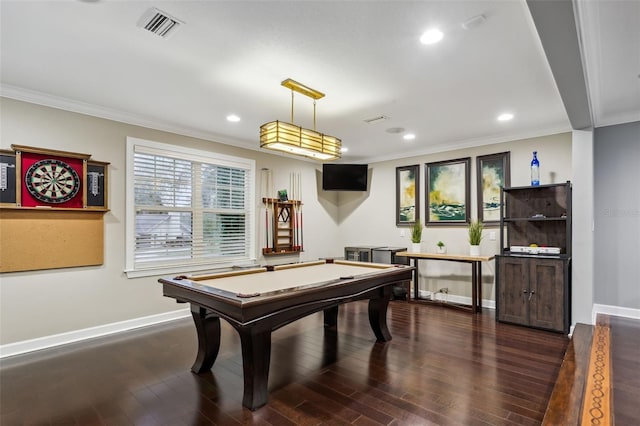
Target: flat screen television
<point>344,177</point>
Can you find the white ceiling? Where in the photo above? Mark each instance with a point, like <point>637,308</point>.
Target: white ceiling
<point>230,57</point>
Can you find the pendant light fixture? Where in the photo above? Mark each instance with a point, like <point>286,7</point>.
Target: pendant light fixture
<point>292,139</point>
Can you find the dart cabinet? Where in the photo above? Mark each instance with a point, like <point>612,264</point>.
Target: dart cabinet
<point>52,205</point>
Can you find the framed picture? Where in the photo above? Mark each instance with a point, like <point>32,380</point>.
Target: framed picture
<point>448,196</point>
<point>407,190</point>
<point>493,174</point>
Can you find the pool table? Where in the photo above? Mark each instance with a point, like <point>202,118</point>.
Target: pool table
<point>260,300</point>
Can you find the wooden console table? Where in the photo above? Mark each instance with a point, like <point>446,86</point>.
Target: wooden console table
<point>476,274</point>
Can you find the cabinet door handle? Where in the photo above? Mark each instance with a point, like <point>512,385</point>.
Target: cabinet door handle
<point>531,294</point>
<point>524,297</point>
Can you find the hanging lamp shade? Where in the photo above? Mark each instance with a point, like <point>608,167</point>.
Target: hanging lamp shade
<point>293,139</point>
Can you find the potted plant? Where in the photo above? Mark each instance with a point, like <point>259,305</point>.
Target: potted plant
<point>416,236</point>
<point>475,236</point>
<point>440,248</point>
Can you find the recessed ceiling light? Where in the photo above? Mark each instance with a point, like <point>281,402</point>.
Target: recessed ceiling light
<point>409,137</point>
<point>233,118</point>
<point>505,117</point>
<point>431,36</point>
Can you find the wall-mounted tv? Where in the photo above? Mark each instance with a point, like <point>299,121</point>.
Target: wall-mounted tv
<point>344,177</point>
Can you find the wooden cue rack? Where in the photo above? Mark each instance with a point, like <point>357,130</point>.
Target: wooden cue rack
<point>286,226</point>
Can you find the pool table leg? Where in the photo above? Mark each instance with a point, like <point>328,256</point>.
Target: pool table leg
<point>331,319</point>
<point>378,314</point>
<point>208,330</point>
<point>256,355</point>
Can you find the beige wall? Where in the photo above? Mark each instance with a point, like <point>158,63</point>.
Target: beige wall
<point>43,303</point>
<point>369,219</point>
<point>39,304</point>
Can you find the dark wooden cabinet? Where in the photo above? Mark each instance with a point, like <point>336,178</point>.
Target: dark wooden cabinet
<point>534,292</point>
<point>533,282</point>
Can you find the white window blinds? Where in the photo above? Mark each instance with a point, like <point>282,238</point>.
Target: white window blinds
<point>190,208</point>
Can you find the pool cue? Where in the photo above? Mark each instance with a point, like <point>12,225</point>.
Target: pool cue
<point>299,193</point>
<point>274,222</point>
<point>294,209</point>
<point>295,205</point>
<point>264,190</point>
<point>296,230</point>
<point>300,221</point>
<point>266,225</point>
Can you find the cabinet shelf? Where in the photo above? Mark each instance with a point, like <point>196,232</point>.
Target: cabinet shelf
<point>534,219</point>
<point>562,256</point>
<point>270,252</point>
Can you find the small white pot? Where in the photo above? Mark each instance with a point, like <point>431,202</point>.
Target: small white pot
<point>441,250</point>
<point>416,247</point>
<point>474,250</point>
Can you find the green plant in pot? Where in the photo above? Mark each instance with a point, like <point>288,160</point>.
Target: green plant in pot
<point>441,248</point>
<point>416,236</point>
<point>475,236</point>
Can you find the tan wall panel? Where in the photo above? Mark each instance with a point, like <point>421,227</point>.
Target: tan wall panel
<point>36,239</point>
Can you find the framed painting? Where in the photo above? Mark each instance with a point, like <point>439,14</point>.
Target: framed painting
<point>407,190</point>
<point>493,174</point>
<point>448,196</point>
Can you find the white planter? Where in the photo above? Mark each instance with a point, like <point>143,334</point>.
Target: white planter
<point>416,247</point>
<point>474,250</point>
<point>441,250</point>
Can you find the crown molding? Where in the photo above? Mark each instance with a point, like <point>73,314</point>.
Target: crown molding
<point>45,99</point>
<point>476,142</point>
<point>39,98</point>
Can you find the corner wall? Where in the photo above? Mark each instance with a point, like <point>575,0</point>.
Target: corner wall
<point>617,215</point>
<point>582,224</point>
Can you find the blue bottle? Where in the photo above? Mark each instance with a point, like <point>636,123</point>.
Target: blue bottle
<point>535,170</point>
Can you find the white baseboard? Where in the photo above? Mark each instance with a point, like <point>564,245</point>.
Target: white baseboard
<point>25,346</point>
<point>618,311</point>
<point>17,348</point>
<point>463,300</point>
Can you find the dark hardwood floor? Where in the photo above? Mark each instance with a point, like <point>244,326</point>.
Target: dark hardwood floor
<point>443,366</point>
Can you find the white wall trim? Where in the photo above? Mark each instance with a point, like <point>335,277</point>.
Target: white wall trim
<point>618,311</point>
<point>17,348</point>
<point>46,342</point>
<point>454,298</point>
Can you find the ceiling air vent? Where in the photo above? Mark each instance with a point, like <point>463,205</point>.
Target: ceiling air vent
<point>159,23</point>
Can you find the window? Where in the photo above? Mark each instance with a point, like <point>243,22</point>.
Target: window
<point>187,209</point>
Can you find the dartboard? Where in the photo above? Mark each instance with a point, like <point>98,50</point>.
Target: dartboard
<point>52,181</point>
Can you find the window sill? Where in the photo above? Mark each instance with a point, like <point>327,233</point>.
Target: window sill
<point>187,269</point>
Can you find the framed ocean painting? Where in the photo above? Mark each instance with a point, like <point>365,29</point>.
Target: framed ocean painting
<point>493,174</point>
<point>448,196</point>
<point>407,190</point>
